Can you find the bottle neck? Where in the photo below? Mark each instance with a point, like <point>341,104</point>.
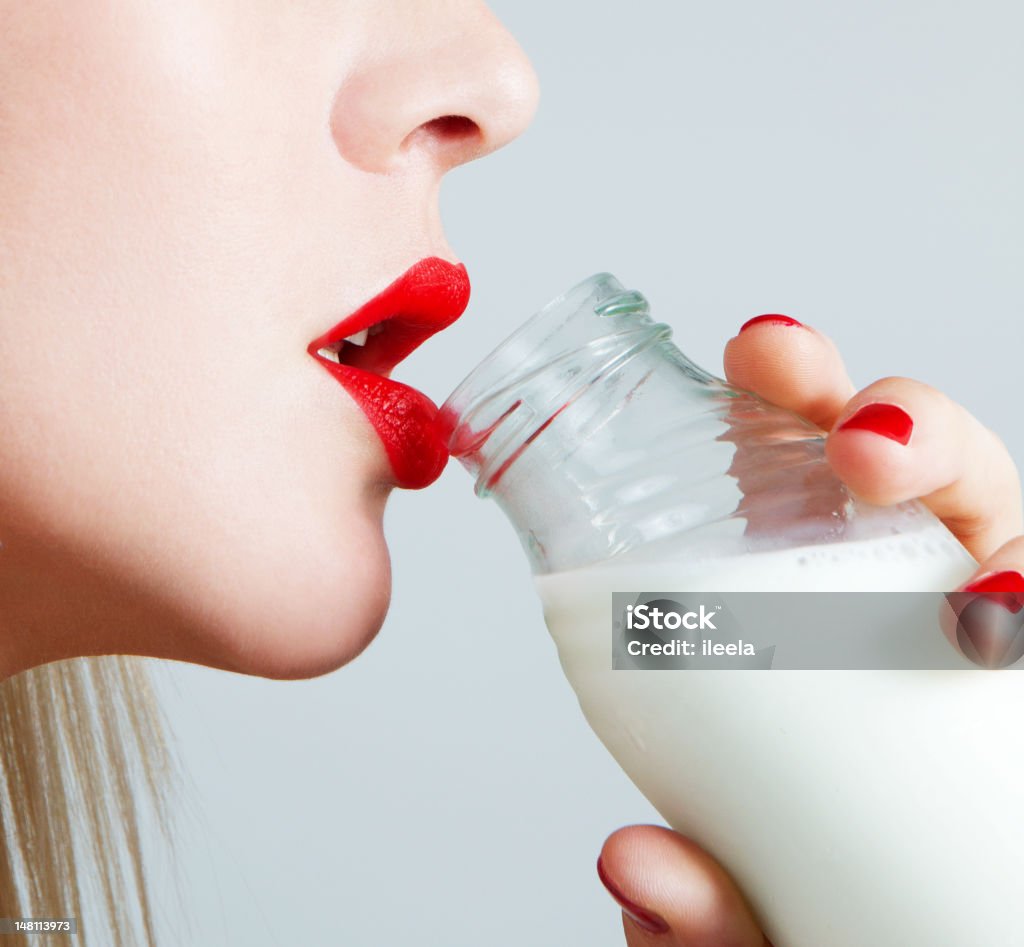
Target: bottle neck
<point>572,425</point>
<point>599,438</point>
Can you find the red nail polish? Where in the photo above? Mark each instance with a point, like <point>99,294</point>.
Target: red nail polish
<point>884,419</point>
<point>642,918</point>
<point>1006,588</point>
<point>773,318</point>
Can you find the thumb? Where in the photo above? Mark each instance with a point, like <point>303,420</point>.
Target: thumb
<point>673,893</point>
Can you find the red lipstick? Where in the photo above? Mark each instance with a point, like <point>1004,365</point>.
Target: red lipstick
<point>369,343</point>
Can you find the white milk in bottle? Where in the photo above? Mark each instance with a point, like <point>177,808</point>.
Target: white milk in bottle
<point>853,807</point>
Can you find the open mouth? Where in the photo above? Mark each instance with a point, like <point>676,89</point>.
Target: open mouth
<point>349,345</point>
<point>361,351</point>
<point>379,347</point>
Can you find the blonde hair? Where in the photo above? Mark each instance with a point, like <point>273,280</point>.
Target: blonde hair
<point>83,746</point>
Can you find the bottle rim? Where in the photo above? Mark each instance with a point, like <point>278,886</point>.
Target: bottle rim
<point>489,372</point>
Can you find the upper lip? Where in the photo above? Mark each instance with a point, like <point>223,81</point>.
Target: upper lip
<point>429,296</point>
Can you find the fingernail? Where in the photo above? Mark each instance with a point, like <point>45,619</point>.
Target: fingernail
<point>884,419</point>
<point>989,635</point>
<point>1006,588</point>
<point>771,317</point>
<point>643,918</point>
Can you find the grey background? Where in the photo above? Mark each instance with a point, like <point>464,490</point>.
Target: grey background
<point>856,166</point>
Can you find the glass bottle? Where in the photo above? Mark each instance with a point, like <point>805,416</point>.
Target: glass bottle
<point>840,801</point>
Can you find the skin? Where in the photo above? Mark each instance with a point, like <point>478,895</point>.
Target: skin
<point>190,193</point>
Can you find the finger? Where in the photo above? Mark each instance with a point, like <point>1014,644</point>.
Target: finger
<point>972,485</point>
<point>672,892</point>
<point>988,625</point>
<point>791,365</point>
<point>899,438</point>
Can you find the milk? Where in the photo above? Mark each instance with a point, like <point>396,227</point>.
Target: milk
<point>853,808</point>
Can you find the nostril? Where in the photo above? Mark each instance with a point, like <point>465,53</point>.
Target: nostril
<point>456,126</point>
<point>446,130</point>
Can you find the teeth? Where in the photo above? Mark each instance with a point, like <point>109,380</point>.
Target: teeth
<point>357,338</point>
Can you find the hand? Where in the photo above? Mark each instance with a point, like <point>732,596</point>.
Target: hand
<point>894,440</point>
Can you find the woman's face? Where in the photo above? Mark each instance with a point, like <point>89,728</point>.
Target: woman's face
<point>190,194</point>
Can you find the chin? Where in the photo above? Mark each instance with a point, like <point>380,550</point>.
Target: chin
<point>307,614</point>
<point>313,645</point>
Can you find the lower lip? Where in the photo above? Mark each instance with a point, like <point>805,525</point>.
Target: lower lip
<point>405,421</point>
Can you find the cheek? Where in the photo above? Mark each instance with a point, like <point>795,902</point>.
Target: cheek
<point>163,423</point>
<point>235,522</point>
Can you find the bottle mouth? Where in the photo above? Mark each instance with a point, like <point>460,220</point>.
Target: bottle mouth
<point>530,377</point>
<point>506,361</point>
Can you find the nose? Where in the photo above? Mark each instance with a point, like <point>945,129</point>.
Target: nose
<point>448,85</point>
